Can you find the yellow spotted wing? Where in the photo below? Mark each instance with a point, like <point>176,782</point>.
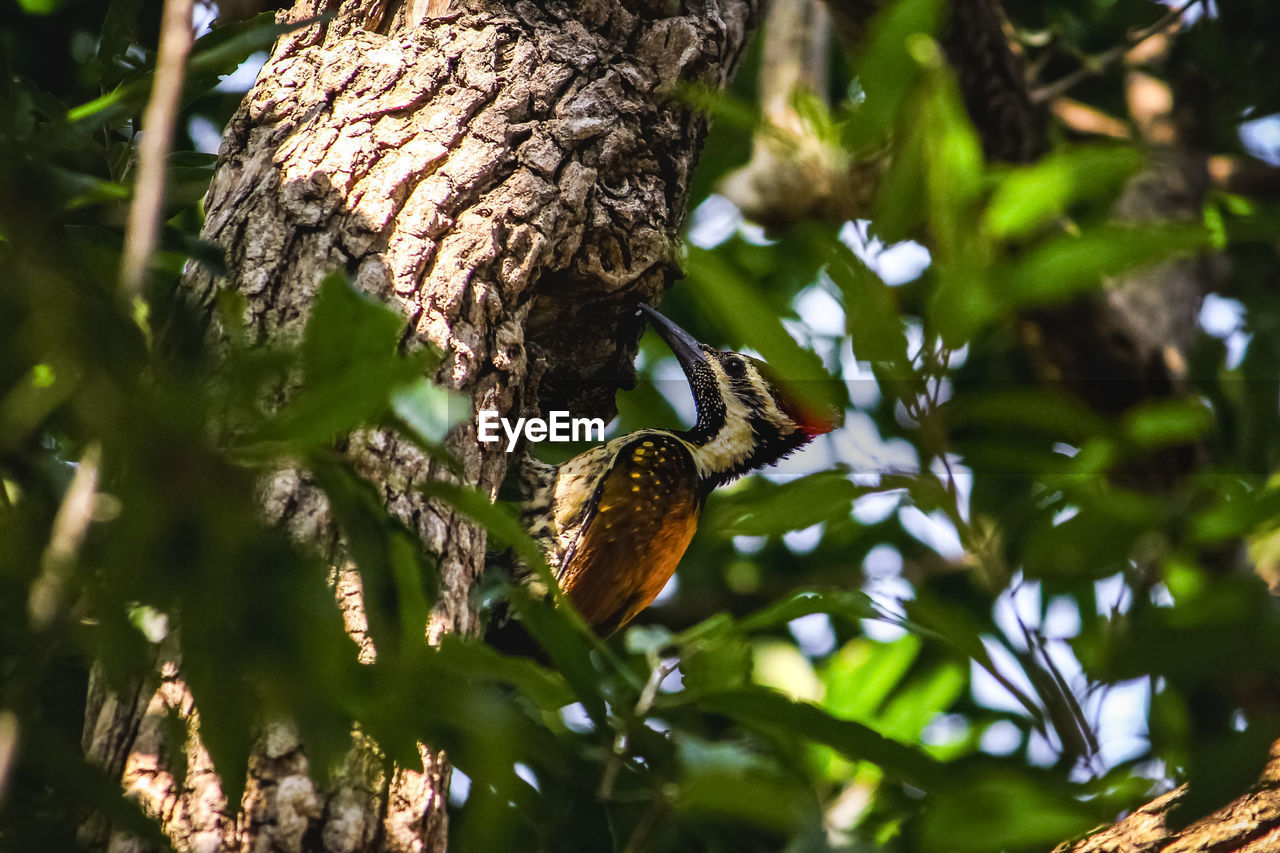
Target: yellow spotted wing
<point>637,530</point>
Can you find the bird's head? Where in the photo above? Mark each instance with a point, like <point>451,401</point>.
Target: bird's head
<point>746,417</point>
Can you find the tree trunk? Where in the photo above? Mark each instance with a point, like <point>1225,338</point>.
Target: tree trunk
<point>512,176</point>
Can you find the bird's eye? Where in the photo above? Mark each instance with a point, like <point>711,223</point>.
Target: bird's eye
<point>735,366</point>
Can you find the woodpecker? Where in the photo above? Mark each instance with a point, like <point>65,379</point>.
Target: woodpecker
<point>615,520</point>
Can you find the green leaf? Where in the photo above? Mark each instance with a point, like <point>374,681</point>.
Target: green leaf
<point>921,700</point>
<point>548,690</point>
<point>1093,544</point>
<point>1163,423</point>
<point>726,781</point>
<point>947,156</point>
<point>954,162</point>
<point>964,302</point>
<point>963,630</point>
<point>725,109</point>
<point>901,204</point>
<point>716,662</point>
<point>350,369</point>
<point>321,412</point>
<point>862,675</point>
<point>398,588</point>
<point>87,191</point>
<point>567,645</point>
<point>560,631</point>
<point>886,70</point>
<point>875,327</point>
<point>113,44</point>
<point>1220,631</point>
<point>40,7</point>
<point>714,625</point>
<point>1236,517</point>
<point>1069,264</point>
<point>1031,196</point>
<point>647,639</point>
<point>347,327</point>
<point>765,508</point>
<point>1223,766</point>
<point>1000,810</point>
<point>498,519</point>
<point>847,603</point>
<point>185,187</point>
<point>483,728</point>
<point>1044,411</point>
<point>429,410</point>
<point>764,709</point>
<point>780,665</point>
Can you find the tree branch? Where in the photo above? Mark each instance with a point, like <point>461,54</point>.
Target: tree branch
<point>1100,62</point>
<point>157,138</point>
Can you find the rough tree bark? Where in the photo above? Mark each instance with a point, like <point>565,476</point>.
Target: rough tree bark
<point>512,176</point>
<point>1250,824</point>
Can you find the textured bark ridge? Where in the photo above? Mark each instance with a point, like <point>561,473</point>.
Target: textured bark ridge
<point>510,175</point>
<point>1250,824</point>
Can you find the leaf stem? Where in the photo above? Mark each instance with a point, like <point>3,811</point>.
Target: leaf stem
<point>1098,63</point>
<point>157,139</point>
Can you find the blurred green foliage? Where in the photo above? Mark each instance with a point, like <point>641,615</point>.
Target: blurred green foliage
<point>948,626</point>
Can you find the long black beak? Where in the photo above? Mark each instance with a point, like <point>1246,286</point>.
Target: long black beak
<point>683,345</point>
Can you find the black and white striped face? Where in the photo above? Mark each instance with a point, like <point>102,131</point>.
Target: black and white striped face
<point>744,420</point>
<point>752,429</point>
